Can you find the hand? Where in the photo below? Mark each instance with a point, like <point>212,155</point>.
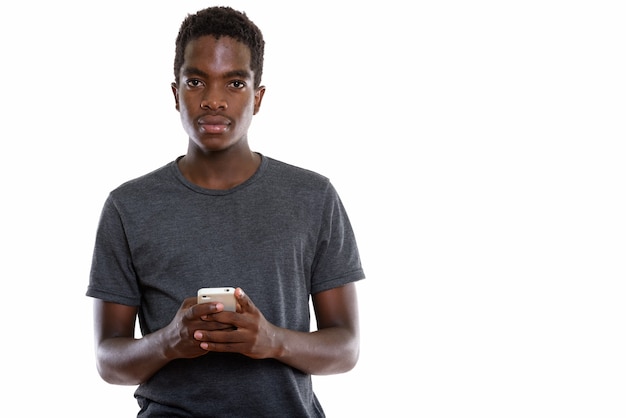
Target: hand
<point>190,317</point>
<point>249,333</point>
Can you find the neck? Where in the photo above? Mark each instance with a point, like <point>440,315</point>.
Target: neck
<point>219,170</point>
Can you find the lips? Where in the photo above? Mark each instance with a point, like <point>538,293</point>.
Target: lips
<point>213,124</point>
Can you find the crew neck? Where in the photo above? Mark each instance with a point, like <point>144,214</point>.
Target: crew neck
<point>217,192</point>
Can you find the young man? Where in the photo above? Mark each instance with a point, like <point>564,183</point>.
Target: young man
<point>222,215</point>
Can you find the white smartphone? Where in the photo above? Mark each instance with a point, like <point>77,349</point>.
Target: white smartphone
<point>225,295</point>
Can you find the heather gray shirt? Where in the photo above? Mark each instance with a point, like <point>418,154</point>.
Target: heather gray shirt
<point>281,236</point>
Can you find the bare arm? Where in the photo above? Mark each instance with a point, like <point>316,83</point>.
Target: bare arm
<point>125,360</point>
<point>333,348</point>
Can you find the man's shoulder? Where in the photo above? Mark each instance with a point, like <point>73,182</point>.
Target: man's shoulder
<point>155,178</point>
<point>294,172</point>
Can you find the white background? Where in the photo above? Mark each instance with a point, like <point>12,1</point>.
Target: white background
<point>478,147</point>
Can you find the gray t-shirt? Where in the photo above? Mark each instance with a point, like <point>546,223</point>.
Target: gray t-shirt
<point>281,236</point>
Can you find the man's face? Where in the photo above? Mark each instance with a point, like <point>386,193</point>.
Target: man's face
<point>215,94</point>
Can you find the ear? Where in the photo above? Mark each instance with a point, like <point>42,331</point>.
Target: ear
<point>175,91</point>
<point>258,97</point>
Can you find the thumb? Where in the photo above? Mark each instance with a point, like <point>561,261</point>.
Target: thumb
<point>243,300</point>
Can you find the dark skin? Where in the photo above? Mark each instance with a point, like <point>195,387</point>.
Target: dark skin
<point>217,100</point>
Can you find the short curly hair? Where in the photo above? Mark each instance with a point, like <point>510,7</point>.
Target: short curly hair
<point>221,21</point>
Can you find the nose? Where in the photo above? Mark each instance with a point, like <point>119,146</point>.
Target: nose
<point>213,101</point>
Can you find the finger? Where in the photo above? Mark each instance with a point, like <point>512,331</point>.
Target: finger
<point>189,302</point>
<point>205,311</point>
<point>243,300</point>
<point>215,336</point>
<point>199,336</point>
<point>213,325</point>
<point>187,308</point>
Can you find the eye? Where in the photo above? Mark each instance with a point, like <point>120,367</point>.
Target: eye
<point>238,84</point>
<point>192,82</point>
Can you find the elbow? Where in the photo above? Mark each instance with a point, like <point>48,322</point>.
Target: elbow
<point>345,358</point>
<point>351,358</point>
<point>116,379</point>
<point>105,374</point>
<point>104,368</point>
<point>349,353</point>
<point>113,376</point>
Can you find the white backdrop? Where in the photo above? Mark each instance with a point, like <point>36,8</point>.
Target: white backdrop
<point>478,147</point>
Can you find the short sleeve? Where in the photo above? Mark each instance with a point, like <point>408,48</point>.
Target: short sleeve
<point>112,277</point>
<point>337,261</point>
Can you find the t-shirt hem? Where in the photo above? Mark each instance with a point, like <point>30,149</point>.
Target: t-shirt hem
<point>343,280</point>
<point>111,297</point>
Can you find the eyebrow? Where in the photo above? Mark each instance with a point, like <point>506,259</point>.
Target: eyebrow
<point>190,71</point>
